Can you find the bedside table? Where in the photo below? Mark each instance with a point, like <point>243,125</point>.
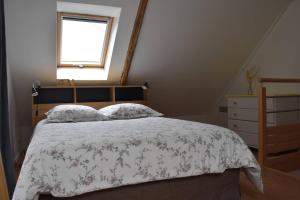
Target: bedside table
<point>243,114</point>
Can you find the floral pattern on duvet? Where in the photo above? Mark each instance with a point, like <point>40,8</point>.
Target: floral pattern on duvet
<point>67,159</point>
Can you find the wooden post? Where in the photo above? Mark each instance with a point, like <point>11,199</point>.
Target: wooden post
<point>133,40</point>
<point>262,125</point>
<point>113,92</point>
<point>3,186</point>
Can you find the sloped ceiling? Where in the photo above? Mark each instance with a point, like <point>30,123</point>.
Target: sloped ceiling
<point>189,50</point>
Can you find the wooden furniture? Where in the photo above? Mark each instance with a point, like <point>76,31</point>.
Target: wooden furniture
<point>94,96</point>
<point>224,185</point>
<point>279,145</point>
<point>243,114</point>
<point>3,186</point>
<point>217,186</point>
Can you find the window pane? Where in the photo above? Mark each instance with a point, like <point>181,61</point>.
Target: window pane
<point>82,41</point>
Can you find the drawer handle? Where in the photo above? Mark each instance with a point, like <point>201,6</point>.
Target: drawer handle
<point>234,103</point>
<point>234,125</point>
<point>234,114</point>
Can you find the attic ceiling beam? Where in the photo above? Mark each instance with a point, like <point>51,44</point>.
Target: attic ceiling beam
<point>133,40</point>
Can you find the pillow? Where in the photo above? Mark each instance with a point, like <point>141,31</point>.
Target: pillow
<point>128,111</point>
<point>73,113</point>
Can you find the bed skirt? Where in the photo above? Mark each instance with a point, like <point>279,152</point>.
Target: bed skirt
<point>223,186</point>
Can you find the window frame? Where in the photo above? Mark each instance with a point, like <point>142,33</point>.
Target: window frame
<point>60,16</point>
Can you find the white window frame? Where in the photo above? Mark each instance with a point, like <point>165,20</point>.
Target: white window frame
<point>60,16</point>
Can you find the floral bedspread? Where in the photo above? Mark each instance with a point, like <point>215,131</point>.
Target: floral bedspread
<point>67,159</point>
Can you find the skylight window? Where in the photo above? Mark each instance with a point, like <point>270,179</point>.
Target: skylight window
<point>82,40</point>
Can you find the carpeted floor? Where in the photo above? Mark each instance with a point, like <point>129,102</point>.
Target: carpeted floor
<point>277,186</point>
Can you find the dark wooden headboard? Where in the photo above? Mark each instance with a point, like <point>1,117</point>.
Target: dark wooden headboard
<point>94,96</point>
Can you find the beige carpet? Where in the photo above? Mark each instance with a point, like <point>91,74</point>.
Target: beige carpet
<point>277,186</point>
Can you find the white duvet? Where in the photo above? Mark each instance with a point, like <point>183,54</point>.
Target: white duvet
<point>67,159</point>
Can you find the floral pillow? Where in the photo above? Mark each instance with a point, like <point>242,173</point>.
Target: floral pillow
<point>128,111</point>
<point>73,113</point>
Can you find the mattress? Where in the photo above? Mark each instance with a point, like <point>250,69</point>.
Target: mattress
<point>69,159</point>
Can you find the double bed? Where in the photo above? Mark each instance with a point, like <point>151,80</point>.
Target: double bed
<point>143,158</point>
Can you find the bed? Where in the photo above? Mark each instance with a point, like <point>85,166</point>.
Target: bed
<point>216,186</point>
<point>144,158</point>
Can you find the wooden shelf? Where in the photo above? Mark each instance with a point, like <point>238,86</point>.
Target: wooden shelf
<point>94,96</point>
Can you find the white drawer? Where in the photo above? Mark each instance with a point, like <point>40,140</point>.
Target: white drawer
<point>250,139</point>
<point>283,117</point>
<point>243,114</point>
<point>245,126</point>
<point>243,102</point>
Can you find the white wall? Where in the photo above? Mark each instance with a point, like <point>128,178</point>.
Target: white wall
<point>13,117</point>
<point>277,55</point>
<point>188,50</point>
<point>31,48</point>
